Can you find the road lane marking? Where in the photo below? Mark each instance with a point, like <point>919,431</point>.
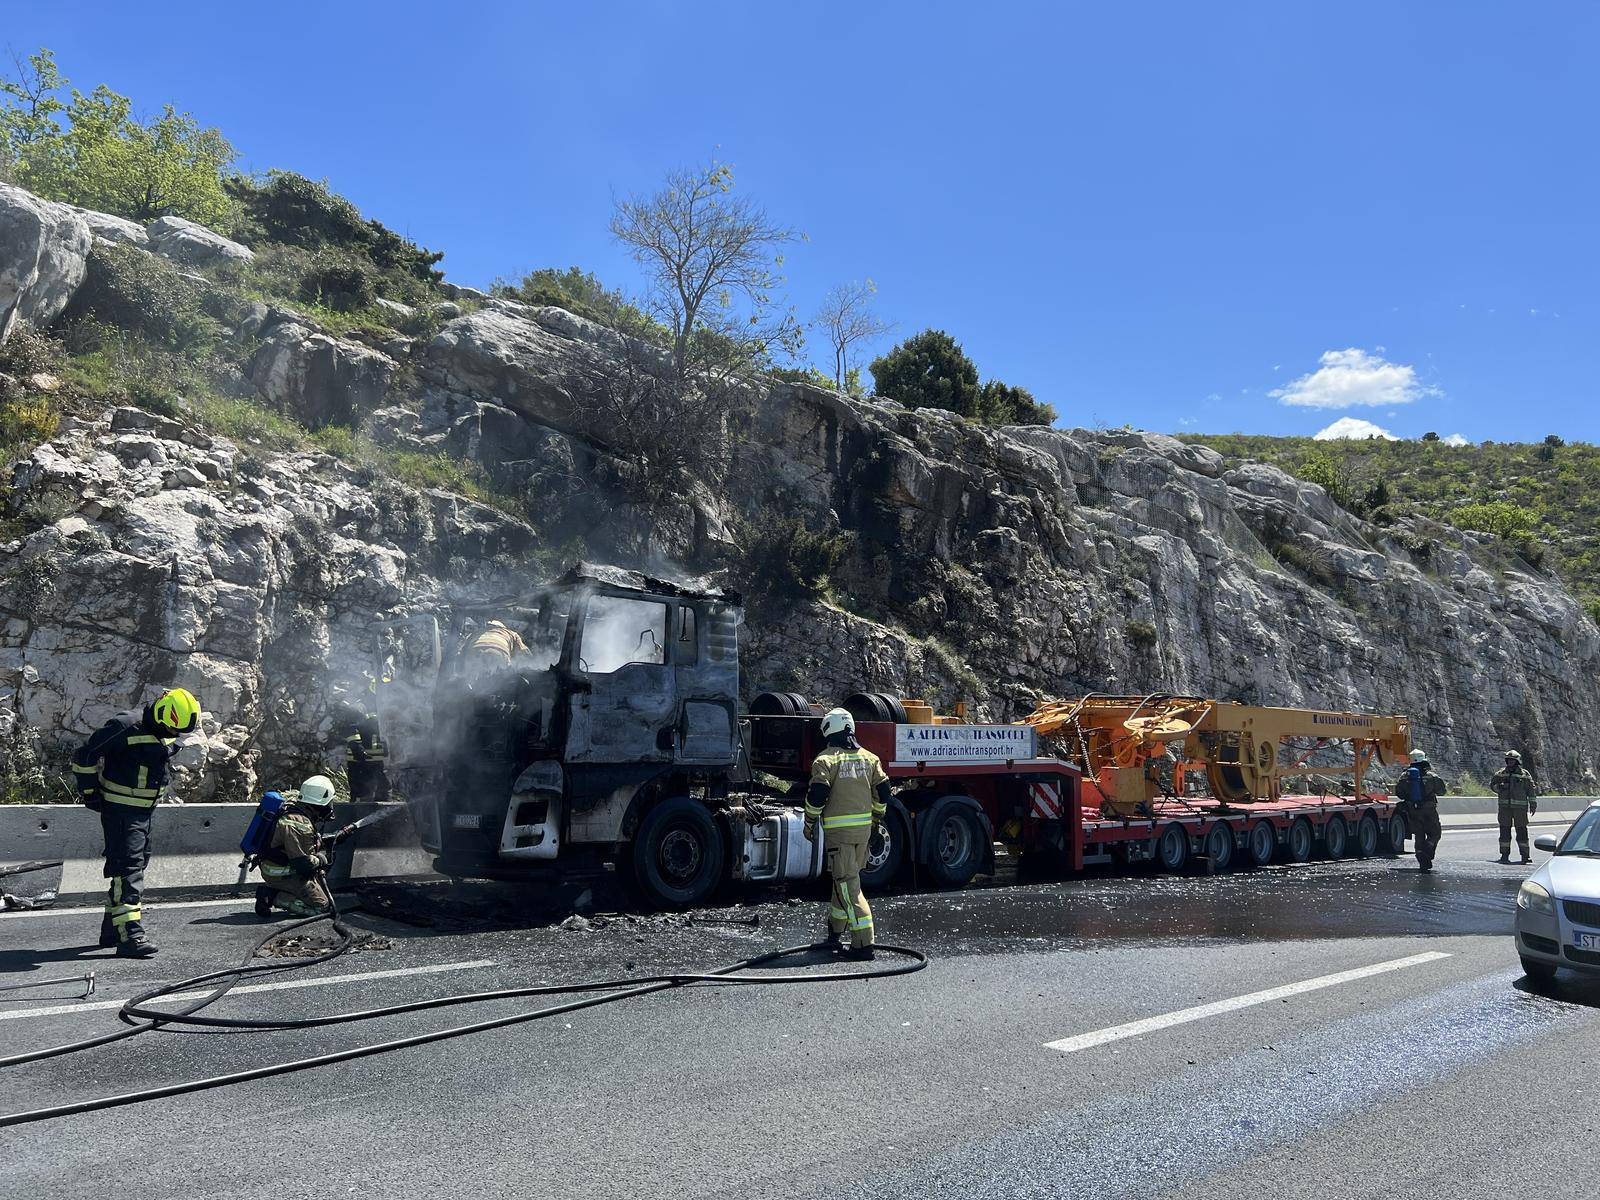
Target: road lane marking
<point>1183,1016</point>
<point>152,905</point>
<point>57,1010</point>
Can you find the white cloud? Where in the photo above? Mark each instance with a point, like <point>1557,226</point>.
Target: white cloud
<point>1455,439</point>
<point>1354,378</point>
<point>1352,429</point>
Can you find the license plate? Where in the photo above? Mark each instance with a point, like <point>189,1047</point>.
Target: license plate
<point>467,821</point>
<point>1586,941</point>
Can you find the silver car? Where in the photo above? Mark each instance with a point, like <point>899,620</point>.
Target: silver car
<point>1558,908</point>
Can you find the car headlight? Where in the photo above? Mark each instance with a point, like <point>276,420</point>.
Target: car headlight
<point>1535,897</point>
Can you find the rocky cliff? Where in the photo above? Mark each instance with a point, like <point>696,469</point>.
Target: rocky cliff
<point>991,565</point>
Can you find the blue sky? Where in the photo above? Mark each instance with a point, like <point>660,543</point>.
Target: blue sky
<point>1151,213</point>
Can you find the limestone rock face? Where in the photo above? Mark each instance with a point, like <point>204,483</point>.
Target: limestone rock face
<point>319,379</point>
<point>192,245</point>
<point>44,251</point>
<point>107,228</point>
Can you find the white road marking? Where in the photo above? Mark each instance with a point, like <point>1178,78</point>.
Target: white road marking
<point>56,1010</point>
<point>152,905</point>
<point>1183,1016</point>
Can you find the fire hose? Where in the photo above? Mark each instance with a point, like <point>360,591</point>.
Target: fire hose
<point>140,1018</point>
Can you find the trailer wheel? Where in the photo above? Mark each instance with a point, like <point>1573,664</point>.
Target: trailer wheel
<point>1262,843</point>
<point>1397,835</point>
<point>1219,846</point>
<point>1367,836</point>
<point>1297,846</point>
<point>678,853</point>
<point>1335,836</point>
<point>1172,848</point>
<point>885,855</point>
<point>957,848</point>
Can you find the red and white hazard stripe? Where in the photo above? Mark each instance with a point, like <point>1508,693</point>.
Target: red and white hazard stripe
<point>1046,799</point>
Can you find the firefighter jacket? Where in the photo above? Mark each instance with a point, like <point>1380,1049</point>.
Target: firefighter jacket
<point>1419,785</point>
<point>295,850</point>
<point>124,762</point>
<point>1515,788</point>
<point>853,778</point>
<point>500,641</point>
<point>363,741</point>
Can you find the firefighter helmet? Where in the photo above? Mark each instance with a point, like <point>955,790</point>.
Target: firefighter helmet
<point>177,710</point>
<point>838,721</point>
<point>1514,755</point>
<point>1419,756</point>
<point>317,792</point>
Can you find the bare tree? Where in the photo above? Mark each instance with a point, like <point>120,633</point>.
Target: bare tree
<point>712,260</point>
<point>848,320</point>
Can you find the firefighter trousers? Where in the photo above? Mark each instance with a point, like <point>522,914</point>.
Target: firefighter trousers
<point>848,911</point>
<point>127,834</point>
<point>1513,816</point>
<point>302,897</point>
<point>1426,829</point>
<point>368,781</point>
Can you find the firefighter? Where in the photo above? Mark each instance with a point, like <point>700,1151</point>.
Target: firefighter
<point>849,798</point>
<point>1518,800</point>
<point>1419,790</point>
<point>493,649</point>
<point>122,773</point>
<point>297,855</point>
<point>366,755</point>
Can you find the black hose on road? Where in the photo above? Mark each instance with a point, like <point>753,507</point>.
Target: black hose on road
<point>141,1018</point>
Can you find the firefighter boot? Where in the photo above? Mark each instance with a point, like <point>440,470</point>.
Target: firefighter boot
<point>1505,856</point>
<point>264,902</point>
<point>858,954</point>
<point>133,943</point>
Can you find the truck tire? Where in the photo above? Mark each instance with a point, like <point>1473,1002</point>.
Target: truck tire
<point>678,853</point>
<point>1219,846</point>
<point>874,706</point>
<point>1298,844</point>
<point>1398,833</point>
<point>1172,849</point>
<point>1262,843</point>
<point>957,847</point>
<point>1367,836</point>
<point>887,856</point>
<point>1335,836</point>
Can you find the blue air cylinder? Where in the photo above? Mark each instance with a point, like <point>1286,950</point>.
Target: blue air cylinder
<point>259,836</point>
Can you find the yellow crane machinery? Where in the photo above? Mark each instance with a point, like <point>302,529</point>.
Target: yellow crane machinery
<point>1137,749</point>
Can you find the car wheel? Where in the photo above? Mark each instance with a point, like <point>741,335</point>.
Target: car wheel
<point>1539,972</point>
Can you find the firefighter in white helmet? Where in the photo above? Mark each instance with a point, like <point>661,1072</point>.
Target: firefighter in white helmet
<point>294,861</point>
<point>1419,790</point>
<point>849,799</point>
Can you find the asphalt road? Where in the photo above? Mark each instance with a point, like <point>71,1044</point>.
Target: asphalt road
<point>1397,1052</point>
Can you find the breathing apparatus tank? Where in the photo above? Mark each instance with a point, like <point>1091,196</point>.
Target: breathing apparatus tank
<point>259,835</point>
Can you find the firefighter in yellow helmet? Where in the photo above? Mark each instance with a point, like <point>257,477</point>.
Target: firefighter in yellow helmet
<point>849,799</point>
<point>122,772</point>
<point>293,864</point>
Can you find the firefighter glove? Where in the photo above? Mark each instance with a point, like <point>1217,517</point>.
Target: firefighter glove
<point>810,830</point>
<point>1533,808</point>
<point>92,801</point>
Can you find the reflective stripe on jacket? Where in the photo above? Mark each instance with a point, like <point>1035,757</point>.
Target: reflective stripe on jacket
<point>363,741</point>
<point>852,778</point>
<point>1514,787</point>
<point>124,762</point>
<point>295,849</point>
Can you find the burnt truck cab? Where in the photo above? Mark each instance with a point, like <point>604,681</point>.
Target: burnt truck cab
<point>624,700</point>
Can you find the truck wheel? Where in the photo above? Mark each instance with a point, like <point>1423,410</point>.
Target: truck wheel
<point>1367,836</point>
<point>1219,846</point>
<point>1335,836</point>
<point>678,853</point>
<point>1398,833</point>
<point>1297,846</point>
<point>1262,843</point>
<point>885,856</point>
<point>1172,849</point>
<point>957,848</point>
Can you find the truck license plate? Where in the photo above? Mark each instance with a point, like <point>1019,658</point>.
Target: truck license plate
<point>467,821</point>
<point>1586,941</point>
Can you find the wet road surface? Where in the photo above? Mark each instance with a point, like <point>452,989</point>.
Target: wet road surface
<point>1400,1069</point>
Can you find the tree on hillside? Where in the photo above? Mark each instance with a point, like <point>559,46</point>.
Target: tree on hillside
<point>928,370</point>
<point>106,158</point>
<point>1002,404</point>
<point>712,260</point>
<point>848,322</point>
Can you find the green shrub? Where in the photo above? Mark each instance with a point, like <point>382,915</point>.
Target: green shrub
<point>144,295</point>
<point>1468,784</point>
<point>780,558</point>
<point>581,292</point>
<point>1142,634</point>
<point>1500,518</point>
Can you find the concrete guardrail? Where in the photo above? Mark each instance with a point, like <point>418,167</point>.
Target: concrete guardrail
<point>192,846</point>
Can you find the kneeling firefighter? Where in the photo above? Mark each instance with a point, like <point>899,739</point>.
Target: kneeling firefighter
<point>849,798</point>
<point>122,773</point>
<point>297,854</point>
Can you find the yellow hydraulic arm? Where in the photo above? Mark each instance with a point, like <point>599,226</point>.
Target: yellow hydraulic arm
<point>1125,743</point>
